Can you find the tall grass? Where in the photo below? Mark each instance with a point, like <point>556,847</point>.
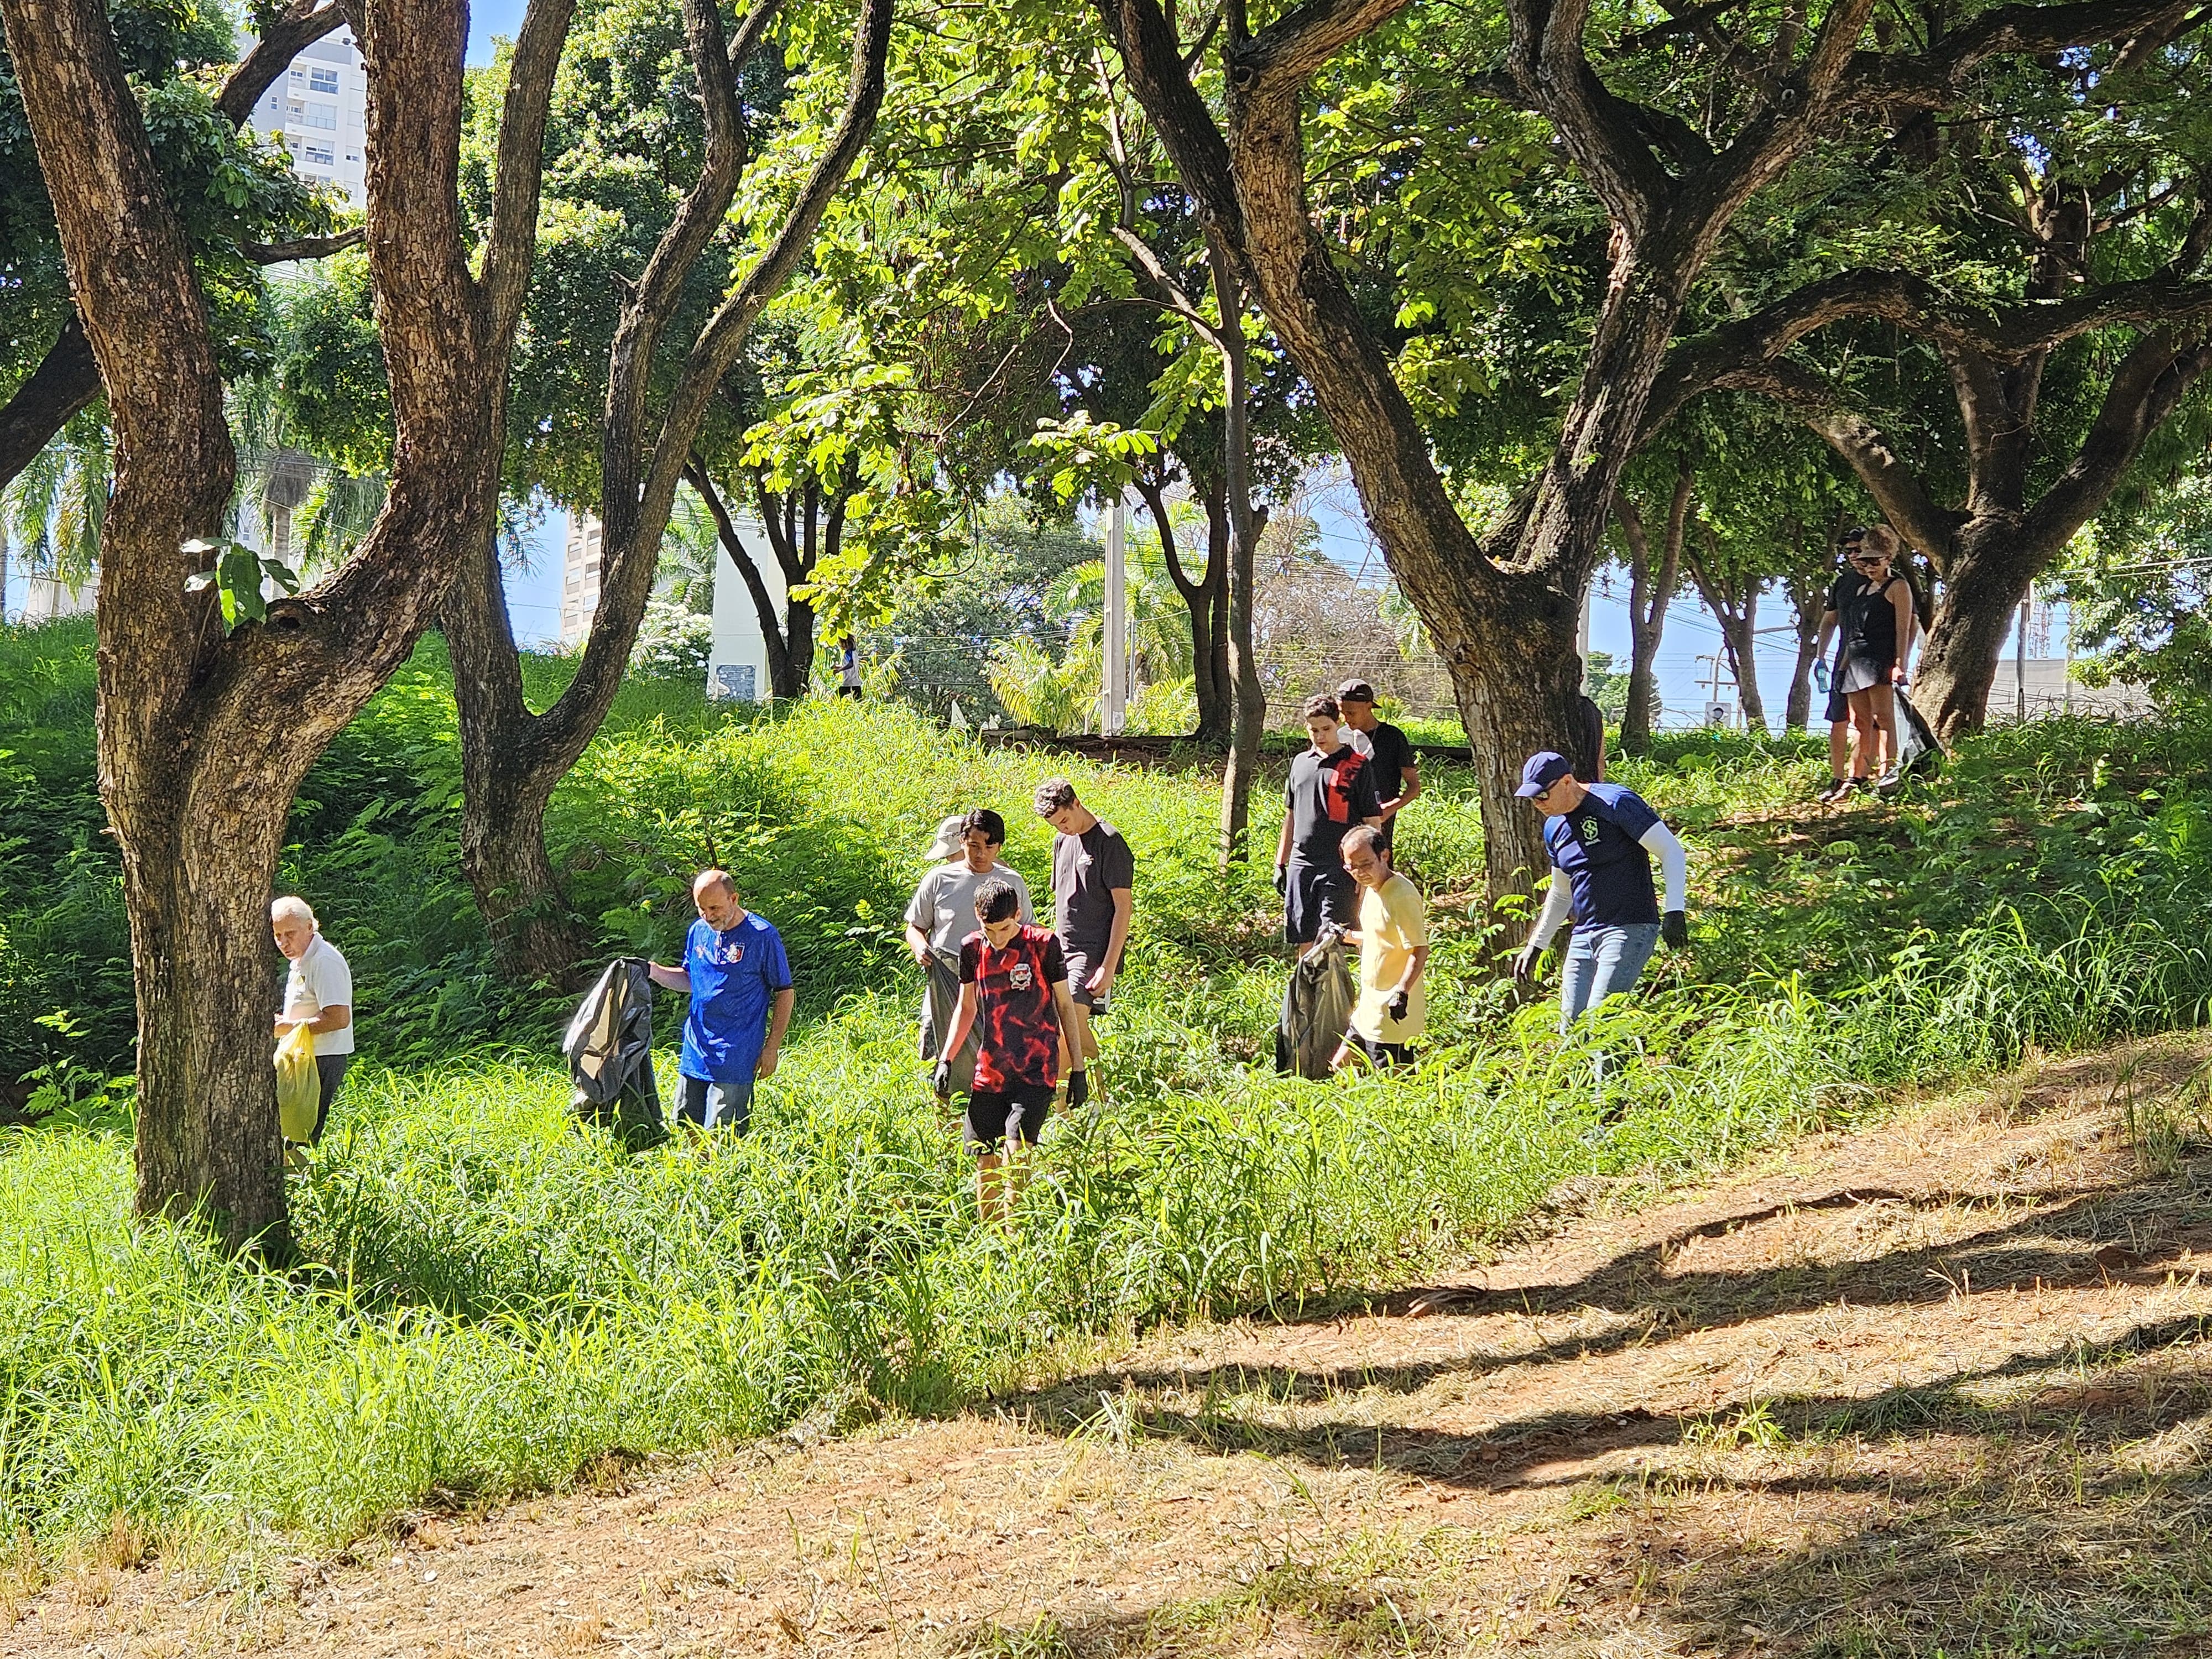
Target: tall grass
<point>497,1299</point>
<point>501,1299</point>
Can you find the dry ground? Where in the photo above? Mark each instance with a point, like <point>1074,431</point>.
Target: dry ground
<point>1940,1387</point>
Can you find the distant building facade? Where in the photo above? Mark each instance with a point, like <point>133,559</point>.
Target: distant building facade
<point>737,668</point>
<point>583,552</point>
<point>318,110</point>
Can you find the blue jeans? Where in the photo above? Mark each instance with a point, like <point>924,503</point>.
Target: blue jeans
<point>1602,962</point>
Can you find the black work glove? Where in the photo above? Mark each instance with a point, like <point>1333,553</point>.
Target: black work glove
<point>1524,965</point>
<point>942,1081</point>
<point>1079,1088</point>
<point>1674,928</point>
<point>1399,1004</point>
<point>1283,878</point>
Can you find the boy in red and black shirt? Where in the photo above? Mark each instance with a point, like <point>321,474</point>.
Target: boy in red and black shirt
<point>1013,987</point>
<point>1331,788</point>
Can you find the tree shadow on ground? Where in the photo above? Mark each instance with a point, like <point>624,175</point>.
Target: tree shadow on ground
<point>2056,1498</point>
<point>2074,1241</point>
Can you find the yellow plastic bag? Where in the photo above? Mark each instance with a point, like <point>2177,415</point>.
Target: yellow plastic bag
<point>299,1090</point>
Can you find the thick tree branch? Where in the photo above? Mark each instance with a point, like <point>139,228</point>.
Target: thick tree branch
<point>1152,58</point>
<point>1931,79</point>
<point>301,25</point>
<point>519,170</point>
<point>302,248</point>
<point>1294,45</point>
<point>720,341</point>
<point>642,460</point>
<point>1900,494</point>
<point>2004,333</point>
<point>67,380</point>
<point>626,440</point>
<point>2151,380</point>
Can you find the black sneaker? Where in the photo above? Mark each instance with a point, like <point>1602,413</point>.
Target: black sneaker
<point>1835,792</point>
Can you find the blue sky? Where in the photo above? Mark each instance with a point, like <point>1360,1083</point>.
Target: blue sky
<point>493,17</point>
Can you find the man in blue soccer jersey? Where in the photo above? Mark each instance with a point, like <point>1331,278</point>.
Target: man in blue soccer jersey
<point>1601,837</point>
<point>740,981</point>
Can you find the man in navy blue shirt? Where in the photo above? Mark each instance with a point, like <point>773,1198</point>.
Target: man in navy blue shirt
<point>740,981</point>
<point>1601,837</point>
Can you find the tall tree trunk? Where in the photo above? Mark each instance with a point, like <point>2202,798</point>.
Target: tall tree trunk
<point>1250,713</point>
<point>1202,598</point>
<point>503,854</point>
<point>1733,601</point>
<point>205,734</point>
<point>1806,599</point>
<point>645,451</point>
<point>1650,591</point>
<point>1989,573</point>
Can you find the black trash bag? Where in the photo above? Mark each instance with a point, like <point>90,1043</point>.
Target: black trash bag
<point>1316,1008</point>
<point>1918,754</point>
<point>610,1049</point>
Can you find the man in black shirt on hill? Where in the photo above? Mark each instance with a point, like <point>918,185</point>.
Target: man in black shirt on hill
<point>1331,787</point>
<point>1093,890</point>
<point>1397,768</point>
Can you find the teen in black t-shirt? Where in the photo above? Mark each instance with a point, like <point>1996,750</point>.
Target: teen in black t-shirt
<point>1093,887</point>
<point>1331,787</point>
<point>1388,749</point>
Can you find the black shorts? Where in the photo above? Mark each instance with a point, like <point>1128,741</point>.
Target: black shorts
<point>1083,960</point>
<point>1312,895</point>
<point>1379,1053</point>
<point>1019,1112</point>
<point>330,1077</point>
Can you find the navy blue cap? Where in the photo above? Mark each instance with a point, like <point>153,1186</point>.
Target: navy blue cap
<point>1544,769</point>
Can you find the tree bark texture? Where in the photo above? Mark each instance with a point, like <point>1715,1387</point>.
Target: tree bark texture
<point>512,758</point>
<point>203,735</point>
<point>1652,585</point>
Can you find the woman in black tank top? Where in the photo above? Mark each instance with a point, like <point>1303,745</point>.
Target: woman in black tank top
<point>1871,609</point>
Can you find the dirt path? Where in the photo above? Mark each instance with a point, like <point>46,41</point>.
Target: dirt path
<point>1939,1386</point>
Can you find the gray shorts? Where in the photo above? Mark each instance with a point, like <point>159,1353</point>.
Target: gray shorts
<point>1083,959</point>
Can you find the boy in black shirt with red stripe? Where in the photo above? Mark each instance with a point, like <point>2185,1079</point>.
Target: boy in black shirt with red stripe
<point>1013,987</point>
<point>1331,787</point>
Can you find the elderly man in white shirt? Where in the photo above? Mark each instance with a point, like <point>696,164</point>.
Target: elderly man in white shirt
<point>318,994</point>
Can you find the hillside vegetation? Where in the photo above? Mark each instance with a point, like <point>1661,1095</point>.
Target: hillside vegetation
<point>500,1300</point>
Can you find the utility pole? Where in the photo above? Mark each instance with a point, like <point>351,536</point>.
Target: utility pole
<point>2020,664</point>
<point>1718,713</point>
<point>1113,704</point>
<point>1582,642</point>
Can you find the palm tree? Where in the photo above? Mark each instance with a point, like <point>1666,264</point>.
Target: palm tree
<point>1063,695</point>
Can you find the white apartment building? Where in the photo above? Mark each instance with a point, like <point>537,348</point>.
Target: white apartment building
<point>581,555</point>
<point>317,109</point>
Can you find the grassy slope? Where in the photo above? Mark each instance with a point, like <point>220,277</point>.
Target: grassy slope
<point>503,1300</point>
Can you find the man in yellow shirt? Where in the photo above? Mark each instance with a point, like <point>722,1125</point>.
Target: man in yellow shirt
<point>1393,950</point>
